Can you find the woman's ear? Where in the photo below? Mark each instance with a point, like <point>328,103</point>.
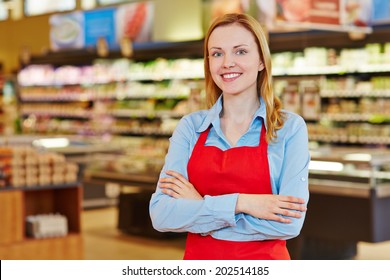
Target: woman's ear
<point>261,66</point>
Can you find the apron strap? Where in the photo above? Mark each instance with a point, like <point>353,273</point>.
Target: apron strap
<point>203,137</point>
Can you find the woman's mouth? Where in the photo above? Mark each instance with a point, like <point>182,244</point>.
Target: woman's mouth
<point>230,76</point>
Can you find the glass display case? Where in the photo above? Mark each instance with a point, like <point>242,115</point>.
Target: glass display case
<point>349,202</point>
<point>355,172</point>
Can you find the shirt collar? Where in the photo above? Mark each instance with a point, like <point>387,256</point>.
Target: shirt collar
<point>212,116</point>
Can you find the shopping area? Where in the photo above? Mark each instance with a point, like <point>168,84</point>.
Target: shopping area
<point>90,92</point>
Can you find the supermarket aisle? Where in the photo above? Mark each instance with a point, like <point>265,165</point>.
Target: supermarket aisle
<point>103,241</point>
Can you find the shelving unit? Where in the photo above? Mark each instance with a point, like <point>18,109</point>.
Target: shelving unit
<point>18,203</point>
<point>329,88</point>
<point>118,97</point>
<point>133,101</point>
<point>344,103</point>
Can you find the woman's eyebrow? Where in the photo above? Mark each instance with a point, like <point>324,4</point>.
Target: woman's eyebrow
<point>234,47</point>
<point>241,45</point>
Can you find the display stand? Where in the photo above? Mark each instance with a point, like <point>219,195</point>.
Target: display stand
<point>18,203</point>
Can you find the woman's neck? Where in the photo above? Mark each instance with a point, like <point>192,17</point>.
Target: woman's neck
<point>239,108</point>
<point>236,117</point>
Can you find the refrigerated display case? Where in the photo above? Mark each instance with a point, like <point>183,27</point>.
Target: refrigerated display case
<point>349,202</point>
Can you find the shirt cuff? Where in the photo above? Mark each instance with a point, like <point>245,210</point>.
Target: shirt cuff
<point>223,208</point>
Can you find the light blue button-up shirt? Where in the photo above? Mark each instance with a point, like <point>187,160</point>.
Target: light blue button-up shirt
<point>215,215</point>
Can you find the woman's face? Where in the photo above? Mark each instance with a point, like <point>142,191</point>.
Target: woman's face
<point>234,59</point>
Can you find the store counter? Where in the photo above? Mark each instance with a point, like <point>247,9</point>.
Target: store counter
<point>349,202</point>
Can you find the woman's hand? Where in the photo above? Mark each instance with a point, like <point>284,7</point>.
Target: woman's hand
<point>270,206</point>
<point>178,187</point>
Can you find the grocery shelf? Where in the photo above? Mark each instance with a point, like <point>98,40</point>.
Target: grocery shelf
<point>41,187</point>
<point>350,117</point>
<point>355,93</point>
<point>141,52</point>
<point>331,70</point>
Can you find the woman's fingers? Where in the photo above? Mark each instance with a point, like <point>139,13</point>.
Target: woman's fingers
<point>178,176</point>
<point>168,184</point>
<point>291,199</point>
<point>292,206</point>
<point>170,192</point>
<point>178,186</point>
<point>280,219</point>
<point>288,213</point>
<point>173,181</point>
<point>291,203</point>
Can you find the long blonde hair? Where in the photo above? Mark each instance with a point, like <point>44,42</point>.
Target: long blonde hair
<point>275,117</point>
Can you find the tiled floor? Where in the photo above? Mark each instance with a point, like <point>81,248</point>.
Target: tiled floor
<point>103,241</point>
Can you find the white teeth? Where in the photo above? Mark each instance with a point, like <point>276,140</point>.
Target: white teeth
<point>229,76</point>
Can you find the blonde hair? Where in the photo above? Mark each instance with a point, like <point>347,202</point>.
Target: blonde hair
<point>275,117</point>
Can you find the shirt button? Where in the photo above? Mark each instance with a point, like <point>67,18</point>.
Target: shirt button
<point>303,179</point>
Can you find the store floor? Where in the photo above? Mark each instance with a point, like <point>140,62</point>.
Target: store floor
<point>103,241</point>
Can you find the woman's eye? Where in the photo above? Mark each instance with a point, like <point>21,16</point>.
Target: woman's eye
<point>216,54</point>
<point>240,52</point>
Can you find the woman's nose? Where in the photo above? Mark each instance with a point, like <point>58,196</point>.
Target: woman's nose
<point>229,62</point>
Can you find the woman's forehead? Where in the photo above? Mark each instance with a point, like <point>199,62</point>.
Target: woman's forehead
<point>229,36</point>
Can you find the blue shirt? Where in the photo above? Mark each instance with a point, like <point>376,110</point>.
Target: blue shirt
<point>288,159</point>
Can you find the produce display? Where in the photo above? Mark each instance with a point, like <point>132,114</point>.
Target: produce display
<point>26,167</point>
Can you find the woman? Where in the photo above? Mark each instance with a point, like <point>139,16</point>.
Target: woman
<point>235,176</point>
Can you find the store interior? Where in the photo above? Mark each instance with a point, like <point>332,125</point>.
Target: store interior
<point>85,123</point>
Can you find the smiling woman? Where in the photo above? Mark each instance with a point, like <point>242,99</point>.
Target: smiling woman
<point>234,68</point>
<point>235,176</point>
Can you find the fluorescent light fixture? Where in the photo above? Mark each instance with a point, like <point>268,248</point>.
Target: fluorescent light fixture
<point>358,157</point>
<point>326,165</point>
<point>51,142</point>
<point>40,7</point>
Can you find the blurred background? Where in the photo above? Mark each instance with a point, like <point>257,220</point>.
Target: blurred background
<point>91,90</point>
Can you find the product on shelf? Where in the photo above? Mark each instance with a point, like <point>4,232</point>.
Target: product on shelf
<point>26,167</point>
<point>344,99</point>
<point>314,60</point>
<point>118,96</point>
<point>46,225</point>
<point>105,71</point>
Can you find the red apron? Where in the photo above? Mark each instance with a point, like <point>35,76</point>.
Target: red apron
<point>236,170</point>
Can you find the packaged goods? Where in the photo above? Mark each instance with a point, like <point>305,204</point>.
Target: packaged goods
<point>46,225</point>
<point>27,167</point>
